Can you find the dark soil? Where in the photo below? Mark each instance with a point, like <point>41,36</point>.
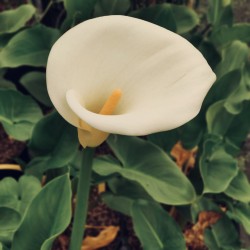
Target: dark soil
<point>241,10</point>
<point>9,148</point>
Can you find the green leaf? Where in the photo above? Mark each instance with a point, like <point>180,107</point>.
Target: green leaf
<point>13,20</point>
<point>4,39</point>
<point>160,14</point>
<point>225,35</point>
<point>241,213</point>
<point>203,204</point>
<point>77,11</point>
<point>54,143</point>
<point>223,88</point>
<point>210,240</point>
<point>192,132</point>
<point>239,188</point>
<point>216,116</point>
<point>131,189</point>
<point>29,47</point>
<point>111,7</point>
<point>238,134</point>
<point>47,216</point>
<point>118,203</point>
<point>166,140</point>
<point>224,234</point>
<point>186,19</point>
<point>209,51</point>
<point>35,83</point>
<point>2,247</point>
<point>18,114</point>
<point>18,195</point>
<point>150,167</point>
<point>233,57</point>
<point>220,12</point>
<point>5,84</point>
<point>176,18</point>
<point>235,101</point>
<point>29,187</point>
<point>155,228</point>
<point>9,219</point>
<point>124,194</point>
<point>217,167</point>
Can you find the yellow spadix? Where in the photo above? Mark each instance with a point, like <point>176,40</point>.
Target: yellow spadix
<point>91,137</point>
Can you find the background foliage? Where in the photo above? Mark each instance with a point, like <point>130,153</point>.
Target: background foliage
<point>176,181</point>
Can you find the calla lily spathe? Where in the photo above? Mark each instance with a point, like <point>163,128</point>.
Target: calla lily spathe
<point>162,77</point>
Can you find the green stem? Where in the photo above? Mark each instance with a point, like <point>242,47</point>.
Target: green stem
<point>82,200</point>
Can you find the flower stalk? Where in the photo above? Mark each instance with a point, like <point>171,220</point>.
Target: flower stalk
<point>82,197</point>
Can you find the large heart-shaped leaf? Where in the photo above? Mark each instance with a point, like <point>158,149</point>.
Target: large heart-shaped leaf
<point>35,83</point>
<point>29,47</point>
<point>13,20</point>
<point>155,228</point>
<point>47,216</point>
<point>54,143</point>
<point>217,167</point>
<point>18,114</point>
<point>151,167</point>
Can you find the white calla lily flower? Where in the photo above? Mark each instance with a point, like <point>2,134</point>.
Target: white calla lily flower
<point>154,79</point>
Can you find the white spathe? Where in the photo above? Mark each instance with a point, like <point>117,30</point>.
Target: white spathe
<point>163,78</point>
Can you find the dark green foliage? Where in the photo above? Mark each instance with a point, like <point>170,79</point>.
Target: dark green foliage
<point>140,173</point>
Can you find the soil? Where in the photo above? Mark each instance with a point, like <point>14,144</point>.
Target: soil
<point>241,10</point>
<point>9,148</point>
